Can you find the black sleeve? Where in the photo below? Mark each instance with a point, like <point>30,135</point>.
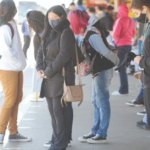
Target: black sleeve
<point>39,58</point>
<point>67,45</point>
<point>145,63</point>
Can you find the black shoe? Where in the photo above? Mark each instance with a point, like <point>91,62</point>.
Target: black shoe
<point>143,113</point>
<point>48,144</point>
<point>97,140</point>
<point>142,125</point>
<point>138,103</point>
<point>85,137</point>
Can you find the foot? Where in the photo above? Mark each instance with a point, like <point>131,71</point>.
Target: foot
<point>131,103</point>
<point>85,137</point>
<point>19,138</point>
<point>142,125</point>
<point>138,104</point>
<point>97,140</point>
<point>116,93</point>
<point>1,138</point>
<point>69,144</point>
<point>48,144</point>
<point>143,113</point>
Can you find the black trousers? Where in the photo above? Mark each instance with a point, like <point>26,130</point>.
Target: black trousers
<point>27,40</point>
<point>147,103</point>
<point>58,123</point>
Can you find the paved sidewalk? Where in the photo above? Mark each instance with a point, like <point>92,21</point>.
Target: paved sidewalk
<point>122,134</point>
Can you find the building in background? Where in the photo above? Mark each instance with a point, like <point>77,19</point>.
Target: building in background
<point>24,6</point>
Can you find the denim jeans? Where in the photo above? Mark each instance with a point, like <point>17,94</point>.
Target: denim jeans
<point>140,94</point>
<point>100,101</point>
<point>122,51</point>
<point>145,119</point>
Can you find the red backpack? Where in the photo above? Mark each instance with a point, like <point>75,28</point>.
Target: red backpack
<point>12,30</point>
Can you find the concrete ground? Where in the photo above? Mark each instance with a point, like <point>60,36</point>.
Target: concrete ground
<point>122,134</point>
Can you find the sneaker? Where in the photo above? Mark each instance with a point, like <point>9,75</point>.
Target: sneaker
<point>19,138</point>
<point>1,138</point>
<point>138,104</point>
<point>116,93</point>
<point>142,125</point>
<point>143,113</point>
<point>131,103</point>
<point>85,137</point>
<point>69,144</point>
<point>48,144</point>
<point>97,140</point>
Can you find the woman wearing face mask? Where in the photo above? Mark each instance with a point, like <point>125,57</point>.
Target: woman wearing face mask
<point>141,9</point>
<point>56,52</point>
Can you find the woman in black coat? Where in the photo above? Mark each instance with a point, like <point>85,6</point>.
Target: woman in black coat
<point>55,53</point>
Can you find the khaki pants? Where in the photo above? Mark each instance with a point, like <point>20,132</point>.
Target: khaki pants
<point>12,83</point>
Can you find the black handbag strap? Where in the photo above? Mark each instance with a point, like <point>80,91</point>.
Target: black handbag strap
<point>124,33</point>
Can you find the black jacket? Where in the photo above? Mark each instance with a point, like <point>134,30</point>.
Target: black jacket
<point>145,62</point>
<point>100,62</point>
<point>57,54</point>
<point>107,22</point>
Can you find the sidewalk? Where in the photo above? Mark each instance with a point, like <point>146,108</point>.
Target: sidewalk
<point>122,134</point>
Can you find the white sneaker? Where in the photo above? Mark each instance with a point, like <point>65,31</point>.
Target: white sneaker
<point>131,103</point>
<point>116,93</point>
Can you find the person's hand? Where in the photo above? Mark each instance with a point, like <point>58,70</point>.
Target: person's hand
<point>142,38</point>
<point>137,59</point>
<point>111,33</point>
<point>40,74</point>
<point>115,51</point>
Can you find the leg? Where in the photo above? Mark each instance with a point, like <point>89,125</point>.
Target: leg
<point>140,94</point>
<point>102,83</point>
<point>69,120</point>
<point>147,104</point>
<point>61,139</point>
<point>122,51</point>
<point>14,115</point>
<point>26,44</point>
<point>96,110</point>
<point>51,111</point>
<point>9,80</point>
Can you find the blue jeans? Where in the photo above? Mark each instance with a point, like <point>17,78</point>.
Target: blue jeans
<point>100,101</point>
<point>122,51</point>
<point>141,93</point>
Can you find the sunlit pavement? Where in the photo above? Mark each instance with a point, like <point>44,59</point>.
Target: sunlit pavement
<point>34,119</point>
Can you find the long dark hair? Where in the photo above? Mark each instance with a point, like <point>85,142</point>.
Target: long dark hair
<point>36,20</point>
<point>59,10</point>
<point>7,11</point>
<point>138,4</point>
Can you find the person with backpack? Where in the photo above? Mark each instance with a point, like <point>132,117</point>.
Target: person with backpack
<point>97,52</point>
<point>123,31</point>
<point>12,64</point>
<point>55,53</point>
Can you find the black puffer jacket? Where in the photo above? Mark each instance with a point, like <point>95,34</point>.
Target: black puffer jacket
<point>57,54</point>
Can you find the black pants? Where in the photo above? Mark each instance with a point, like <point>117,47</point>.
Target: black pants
<point>58,123</point>
<point>26,44</point>
<point>68,110</point>
<point>147,103</point>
